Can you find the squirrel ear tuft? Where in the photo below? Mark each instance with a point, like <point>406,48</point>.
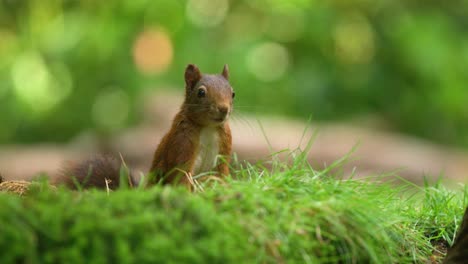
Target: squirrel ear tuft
<point>225,72</point>
<point>192,75</point>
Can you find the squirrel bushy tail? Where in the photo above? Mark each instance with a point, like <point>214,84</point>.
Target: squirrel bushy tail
<point>98,172</point>
<point>199,134</point>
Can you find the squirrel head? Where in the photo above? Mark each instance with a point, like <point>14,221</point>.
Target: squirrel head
<point>208,97</point>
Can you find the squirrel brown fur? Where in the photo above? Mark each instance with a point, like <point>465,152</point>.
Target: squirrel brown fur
<point>198,141</point>
<point>458,253</point>
<point>96,172</point>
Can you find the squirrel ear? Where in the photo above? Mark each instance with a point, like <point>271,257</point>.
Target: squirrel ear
<point>192,75</point>
<point>225,72</point>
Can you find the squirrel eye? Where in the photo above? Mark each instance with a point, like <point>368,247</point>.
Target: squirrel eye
<point>233,95</point>
<point>201,93</point>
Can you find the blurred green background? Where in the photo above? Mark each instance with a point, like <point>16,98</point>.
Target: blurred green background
<point>66,66</point>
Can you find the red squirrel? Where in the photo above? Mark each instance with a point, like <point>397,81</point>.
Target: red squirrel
<point>199,136</point>
<point>458,253</point>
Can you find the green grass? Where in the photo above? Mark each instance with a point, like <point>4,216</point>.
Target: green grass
<point>287,213</point>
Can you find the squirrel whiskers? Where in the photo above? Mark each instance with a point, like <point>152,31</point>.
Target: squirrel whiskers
<point>198,136</point>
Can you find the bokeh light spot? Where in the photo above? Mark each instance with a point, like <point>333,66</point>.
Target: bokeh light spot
<point>153,51</point>
<point>111,109</point>
<point>7,43</point>
<point>239,25</point>
<point>354,40</point>
<point>63,33</point>
<point>268,61</point>
<point>207,13</point>
<point>287,27</point>
<point>39,86</point>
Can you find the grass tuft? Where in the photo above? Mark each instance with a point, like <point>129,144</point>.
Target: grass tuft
<point>287,213</point>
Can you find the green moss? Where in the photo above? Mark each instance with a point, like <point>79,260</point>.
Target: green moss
<point>289,214</point>
<point>151,226</point>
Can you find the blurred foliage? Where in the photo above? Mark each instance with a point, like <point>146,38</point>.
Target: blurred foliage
<point>70,65</point>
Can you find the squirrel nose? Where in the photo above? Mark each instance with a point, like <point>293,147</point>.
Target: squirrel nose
<point>223,109</point>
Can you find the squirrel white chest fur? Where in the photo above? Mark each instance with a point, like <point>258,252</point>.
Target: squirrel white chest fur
<point>208,150</point>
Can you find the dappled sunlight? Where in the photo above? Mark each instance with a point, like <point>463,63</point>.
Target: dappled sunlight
<point>153,51</point>
<point>37,85</point>
<point>111,109</point>
<point>207,13</point>
<point>385,66</point>
<point>239,25</point>
<point>268,61</point>
<point>329,60</point>
<point>8,42</point>
<point>354,40</point>
<point>323,131</point>
<point>63,33</point>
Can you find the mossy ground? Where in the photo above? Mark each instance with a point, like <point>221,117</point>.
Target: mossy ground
<point>284,214</point>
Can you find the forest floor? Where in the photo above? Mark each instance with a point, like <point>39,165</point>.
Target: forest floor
<point>286,213</point>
